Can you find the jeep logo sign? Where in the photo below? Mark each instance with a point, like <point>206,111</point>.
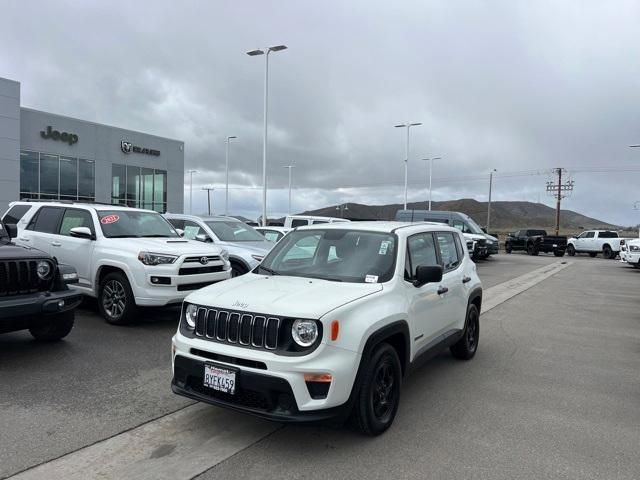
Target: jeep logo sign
<point>128,147</point>
<point>69,138</point>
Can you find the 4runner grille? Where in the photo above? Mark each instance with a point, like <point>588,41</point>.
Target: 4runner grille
<point>19,277</point>
<point>236,327</point>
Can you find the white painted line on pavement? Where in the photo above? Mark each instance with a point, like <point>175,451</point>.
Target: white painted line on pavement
<point>190,441</point>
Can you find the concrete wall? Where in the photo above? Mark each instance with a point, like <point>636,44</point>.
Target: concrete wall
<point>9,141</point>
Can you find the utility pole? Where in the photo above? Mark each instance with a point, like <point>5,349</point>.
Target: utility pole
<point>226,156</point>
<point>289,167</point>
<point>209,190</point>
<point>559,191</point>
<point>489,205</point>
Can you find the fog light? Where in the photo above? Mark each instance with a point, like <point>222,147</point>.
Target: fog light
<point>61,304</point>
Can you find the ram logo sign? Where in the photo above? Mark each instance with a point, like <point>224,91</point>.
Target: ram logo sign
<point>128,147</point>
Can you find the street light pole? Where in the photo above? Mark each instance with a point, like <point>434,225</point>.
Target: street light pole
<point>191,172</point>
<point>406,157</point>
<point>489,205</point>
<point>430,160</point>
<point>265,52</point>
<point>226,156</point>
<point>209,190</point>
<point>289,167</point>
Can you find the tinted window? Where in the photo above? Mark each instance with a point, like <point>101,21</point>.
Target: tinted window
<point>177,223</point>
<point>49,172</point>
<point>459,246</point>
<point>15,213</point>
<point>46,220</point>
<point>297,222</point>
<point>421,251</point>
<point>75,218</point>
<point>589,234</point>
<point>448,252</point>
<point>29,168</point>
<point>315,222</point>
<point>607,235</point>
<point>533,233</point>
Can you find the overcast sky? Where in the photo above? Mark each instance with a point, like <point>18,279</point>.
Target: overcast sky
<point>518,86</point>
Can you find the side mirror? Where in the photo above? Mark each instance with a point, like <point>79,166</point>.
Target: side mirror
<point>201,237</point>
<point>81,232</point>
<point>427,274</point>
<point>12,230</point>
<point>180,232</point>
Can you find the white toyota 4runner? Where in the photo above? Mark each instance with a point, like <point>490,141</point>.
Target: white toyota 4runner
<point>124,256</point>
<point>330,323</point>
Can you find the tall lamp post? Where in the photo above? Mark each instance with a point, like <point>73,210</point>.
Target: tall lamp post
<point>191,172</point>
<point>489,205</point>
<point>406,157</point>
<point>226,156</point>
<point>430,160</point>
<point>289,167</point>
<point>265,52</point>
<point>208,190</point>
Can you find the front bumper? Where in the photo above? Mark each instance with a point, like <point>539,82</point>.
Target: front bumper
<point>41,303</point>
<point>178,287</point>
<point>630,257</point>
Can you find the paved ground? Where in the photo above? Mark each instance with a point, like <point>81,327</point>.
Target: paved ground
<point>552,393</point>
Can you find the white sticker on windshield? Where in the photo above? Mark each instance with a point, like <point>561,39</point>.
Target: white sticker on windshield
<point>371,279</point>
<point>384,246</point>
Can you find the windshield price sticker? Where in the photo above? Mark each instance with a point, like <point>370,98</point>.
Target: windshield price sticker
<point>109,219</point>
<point>371,279</point>
<point>384,246</point>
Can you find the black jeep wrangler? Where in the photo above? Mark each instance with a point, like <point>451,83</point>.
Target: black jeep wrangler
<point>33,290</point>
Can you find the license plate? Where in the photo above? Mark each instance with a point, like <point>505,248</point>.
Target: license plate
<point>555,245</point>
<point>220,379</point>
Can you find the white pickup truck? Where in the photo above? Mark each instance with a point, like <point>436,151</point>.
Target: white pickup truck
<point>594,242</point>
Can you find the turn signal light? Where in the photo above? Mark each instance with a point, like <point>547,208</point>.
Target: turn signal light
<point>335,329</point>
<point>318,377</point>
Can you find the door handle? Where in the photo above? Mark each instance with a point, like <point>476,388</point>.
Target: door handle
<point>25,239</point>
<point>56,244</point>
<point>466,279</point>
<point>442,290</point>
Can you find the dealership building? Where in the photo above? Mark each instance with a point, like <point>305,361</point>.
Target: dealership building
<point>48,156</point>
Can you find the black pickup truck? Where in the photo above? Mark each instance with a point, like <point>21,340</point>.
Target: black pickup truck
<point>535,241</point>
<point>33,290</point>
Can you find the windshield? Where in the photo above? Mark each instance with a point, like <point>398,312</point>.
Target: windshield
<point>234,231</point>
<point>338,255</point>
<point>123,223</point>
<point>472,227</point>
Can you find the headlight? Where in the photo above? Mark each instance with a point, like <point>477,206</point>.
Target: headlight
<point>156,258</point>
<point>225,255</point>
<point>304,332</point>
<point>257,257</point>
<point>190,314</point>
<point>634,248</point>
<point>44,270</point>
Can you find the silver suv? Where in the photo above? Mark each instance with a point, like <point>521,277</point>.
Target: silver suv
<point>246,247</point>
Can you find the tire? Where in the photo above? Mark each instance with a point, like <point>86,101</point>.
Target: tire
<point>593,254</point>
<point>559,253</point>
<point>237,269</point>
<point>571,250</point>
<point>54,327</point>
<point>507,248</point>
<point>115,289</point>
<point>382,378</point>
<point>532,250</point>
<point>467,346</point>
<point>608,253</point>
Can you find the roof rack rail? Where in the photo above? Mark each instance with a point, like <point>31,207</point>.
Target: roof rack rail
<point>70,202</point>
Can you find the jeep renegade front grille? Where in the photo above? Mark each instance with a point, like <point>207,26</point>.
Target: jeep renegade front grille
<point>240,328</point>
<point>19,277</point>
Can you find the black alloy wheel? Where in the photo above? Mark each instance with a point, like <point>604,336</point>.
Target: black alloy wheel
<point>532,249</point>
<point>607,252</point>
<point>466,347</point>
<point>571,250</point>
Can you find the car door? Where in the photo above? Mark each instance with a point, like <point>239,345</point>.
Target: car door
<point>42,229</point>
<point>587,242</point>
<point>450,257</point>
<point>75,251</point>
<point>427,311</point>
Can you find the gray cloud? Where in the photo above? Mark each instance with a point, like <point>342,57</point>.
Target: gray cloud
<point>512,85</point>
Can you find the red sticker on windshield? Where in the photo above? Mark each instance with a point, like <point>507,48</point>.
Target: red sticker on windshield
<point>109,219</point>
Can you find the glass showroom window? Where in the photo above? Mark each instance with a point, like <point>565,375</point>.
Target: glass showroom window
<point>139,187</point>
<point>53,177</point>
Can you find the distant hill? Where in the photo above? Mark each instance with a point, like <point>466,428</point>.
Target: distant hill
<point>504,215</point>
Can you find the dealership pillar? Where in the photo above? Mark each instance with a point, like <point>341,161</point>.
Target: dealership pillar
<point>9,142</point>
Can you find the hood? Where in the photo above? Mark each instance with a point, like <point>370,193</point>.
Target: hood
<point>10,251</point>
<point>475,236</point>
<point>169,246</point>
<point>490,237</point>
<point>259,247</point>
<point>281,295</point>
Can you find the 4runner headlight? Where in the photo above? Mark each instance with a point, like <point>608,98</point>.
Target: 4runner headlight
<point>149,258</point>
<point>43,270</point>
<point>190,315</point>
<point>304,332</point>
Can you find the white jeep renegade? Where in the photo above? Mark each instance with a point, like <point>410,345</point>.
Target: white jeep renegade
<point>330,322</point>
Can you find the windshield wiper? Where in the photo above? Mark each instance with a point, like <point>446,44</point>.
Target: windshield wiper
<point>268,270</point>
<point>157,235</point>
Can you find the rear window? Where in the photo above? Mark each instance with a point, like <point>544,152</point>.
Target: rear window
<point>608,235</point>
<point>15,213</point>
<point>46,220</point>
<point>297,222</point>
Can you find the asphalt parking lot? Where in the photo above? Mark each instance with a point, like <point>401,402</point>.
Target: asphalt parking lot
<point>552,393</point>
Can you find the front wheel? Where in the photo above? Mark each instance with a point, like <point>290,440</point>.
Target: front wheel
<point>379,395</point>
<point>532,249</point>
<point>571,250</point>
<point>466,347</point>
<point>115,300</point>
<point>54,327</point>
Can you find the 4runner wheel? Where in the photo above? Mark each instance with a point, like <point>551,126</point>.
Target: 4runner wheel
<point>532,249</point>
<point>507,247</point>
<point>115,301</point>
<point>237,269</point>
<point>593,254</point>
<point>379,395</point>
<point>607,252</point>
<point>571,250</point>
<point>466,347</point>
<point>54,327</point>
